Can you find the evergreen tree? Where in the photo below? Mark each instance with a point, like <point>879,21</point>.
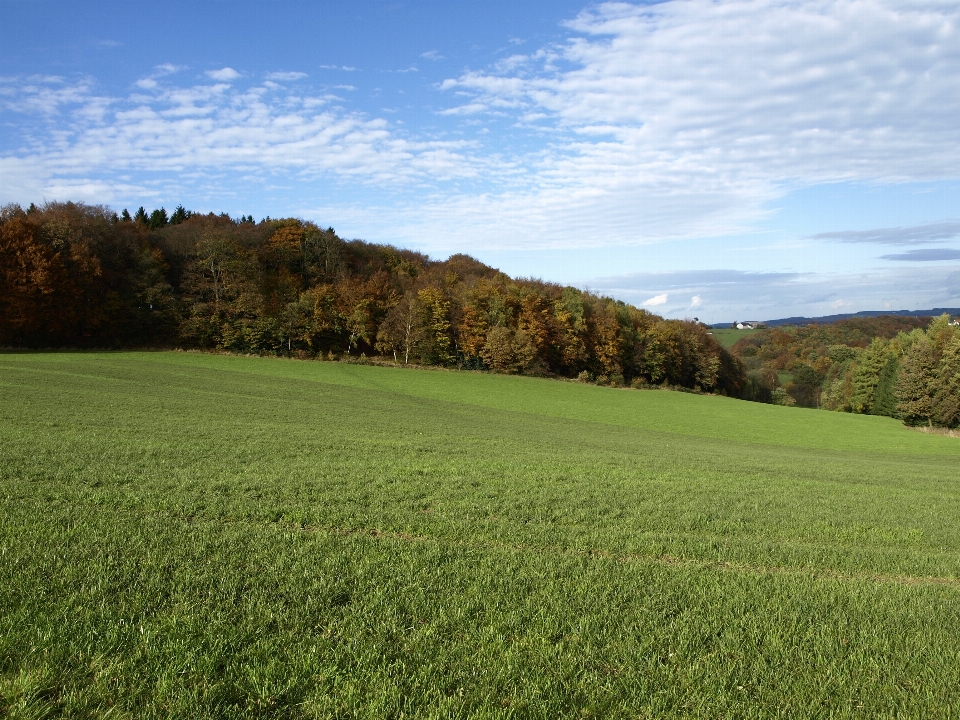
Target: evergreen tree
<point>946,387</point>
<point>885,397</point>
<point>179,215</point>
<point>141,216</point>
<point>158,219</point>
<point>867,377</point>
<point>125,216</point>
<point>914,383</point>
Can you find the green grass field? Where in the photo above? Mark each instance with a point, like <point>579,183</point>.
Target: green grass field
<point>188,535</point>
<point>727,336</point>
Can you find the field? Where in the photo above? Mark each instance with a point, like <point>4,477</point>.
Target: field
<point>188,535</point>
<point>727,336</point>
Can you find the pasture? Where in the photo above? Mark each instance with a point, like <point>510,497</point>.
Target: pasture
<point>727,335</point>
<point>189,535</point>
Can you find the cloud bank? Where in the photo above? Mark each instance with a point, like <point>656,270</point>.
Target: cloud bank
<point>725,294</point>
<point>925,255</point>
<point>914,235</point>
<point>86,147</point>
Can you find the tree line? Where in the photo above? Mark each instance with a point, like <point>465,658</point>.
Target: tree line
<point>77,275</point>
<point>902,367</point>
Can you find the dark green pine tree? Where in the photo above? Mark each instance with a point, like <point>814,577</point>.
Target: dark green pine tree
<point>141,216</point>
<point>179,215</point>
<point>867,377</point>
<point>885,396</point>
<point>125,216</point>
<point>158,219</point>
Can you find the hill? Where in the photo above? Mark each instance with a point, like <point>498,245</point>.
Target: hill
<point>827,319</point>
<point>74,275</point>
<point>210,536</point>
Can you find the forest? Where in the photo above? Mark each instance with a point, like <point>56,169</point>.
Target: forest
<point>74,275</point>
<point>902,367</point>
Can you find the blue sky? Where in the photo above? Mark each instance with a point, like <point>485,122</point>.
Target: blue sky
<point>724,160</point>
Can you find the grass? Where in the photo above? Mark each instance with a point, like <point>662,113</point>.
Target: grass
<point>727,336</point>
<point>187,535</point>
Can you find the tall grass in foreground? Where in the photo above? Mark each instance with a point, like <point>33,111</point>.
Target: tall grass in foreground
<point>199,536</point>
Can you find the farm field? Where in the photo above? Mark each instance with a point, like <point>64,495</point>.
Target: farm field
<point>727,336</point>
<point>190,535</point>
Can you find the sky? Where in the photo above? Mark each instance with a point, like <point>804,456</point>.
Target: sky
<point>723,160</point>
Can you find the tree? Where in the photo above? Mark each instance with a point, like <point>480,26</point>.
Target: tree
<point>30,273</point>
<point>508,350</point>
<point>885,398</point>
<point>946,387</point>
<point>158,219</point>
<point>435,312</point>
<point>866,377</point>
<point>806,385</point>
<point>179,215</point>
<point>915,383</point>
<point>401,329</point>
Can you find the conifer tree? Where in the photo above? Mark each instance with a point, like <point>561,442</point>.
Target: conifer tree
<point>915,382</point>
<point>885,398</point>
<point>179,215</point>
<point>946,387</point>
<point>866,378</point>
<point>158,219</point>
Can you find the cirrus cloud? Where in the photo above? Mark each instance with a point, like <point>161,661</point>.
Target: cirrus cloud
<point>694,114</point>
<point>175,134</point>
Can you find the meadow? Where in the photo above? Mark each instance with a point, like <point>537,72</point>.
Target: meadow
<point>191,535</point>
<point>727,336</point>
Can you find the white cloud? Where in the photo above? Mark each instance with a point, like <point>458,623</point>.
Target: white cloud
<point>168,69</point>
<point>696,301</point>
<point>286,76</point>
<point>223,75</point>
<point>431,55</point>
<point>655,301</point>
<point>687,117</point>
<point>146,83</point>
<point>729,294</point>
<point>650,122</point>
<point>46,95</point>
<point>204,131</point>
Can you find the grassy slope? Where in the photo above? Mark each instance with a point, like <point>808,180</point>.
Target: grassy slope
<point>727,336</point>
<point>188,534</point>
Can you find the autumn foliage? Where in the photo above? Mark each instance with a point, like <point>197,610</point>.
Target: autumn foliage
<point>904,367</point>
<point>74,275</point>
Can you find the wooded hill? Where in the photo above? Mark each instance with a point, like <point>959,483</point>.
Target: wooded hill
<point>75,275</point>
<point>905,367</point>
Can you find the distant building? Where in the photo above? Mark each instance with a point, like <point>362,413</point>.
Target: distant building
<point>955,321</point>
<point>749,325</point>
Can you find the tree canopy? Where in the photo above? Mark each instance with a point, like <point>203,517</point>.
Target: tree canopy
<point>77,275</point>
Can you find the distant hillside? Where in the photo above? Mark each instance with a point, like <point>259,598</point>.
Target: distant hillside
<point>827,319</point>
